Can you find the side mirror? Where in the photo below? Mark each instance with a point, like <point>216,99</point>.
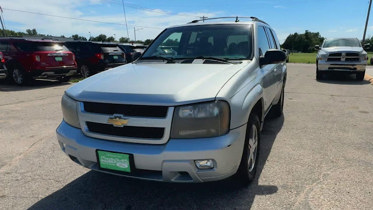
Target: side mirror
<point>317,47</point>
<point>366,46</point>
<point>273,56</point>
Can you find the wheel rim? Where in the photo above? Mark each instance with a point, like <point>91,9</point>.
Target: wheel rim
<point>17,76</point>
<point>84,71</point>
<point>252,148</point>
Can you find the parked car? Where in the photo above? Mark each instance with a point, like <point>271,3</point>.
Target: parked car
<point>95,57</point>
<point>26,59</point>
<point>287,53</point>
<point>2,67</point>
<point>193,114</point>
<point>342,55</point>
<point>131,54</point>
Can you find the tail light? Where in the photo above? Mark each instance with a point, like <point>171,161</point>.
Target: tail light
<point>100,56</point>
<point>37,58</point>
<point>2,60</point>
<point>73,56</point>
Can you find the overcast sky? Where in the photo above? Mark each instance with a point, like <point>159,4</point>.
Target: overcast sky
<point>332,18</point>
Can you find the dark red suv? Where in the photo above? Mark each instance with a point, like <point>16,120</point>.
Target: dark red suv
<point>26,59</point>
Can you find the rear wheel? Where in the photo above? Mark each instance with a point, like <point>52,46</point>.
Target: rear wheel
<point>247,169</point>
<point>85,71</point>
<point>19,76</point>
<point>360,75</point>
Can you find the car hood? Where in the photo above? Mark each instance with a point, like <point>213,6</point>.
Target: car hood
<point>343,49</point>
<point>155,83</point>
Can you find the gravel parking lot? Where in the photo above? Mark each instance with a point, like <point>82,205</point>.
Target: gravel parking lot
<point>318,156</point>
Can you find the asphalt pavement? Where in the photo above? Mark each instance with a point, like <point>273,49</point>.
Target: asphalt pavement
<point>319,155</point>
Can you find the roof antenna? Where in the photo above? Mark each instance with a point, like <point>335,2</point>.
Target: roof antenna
<point>203,18</point>
<point>237,19</point>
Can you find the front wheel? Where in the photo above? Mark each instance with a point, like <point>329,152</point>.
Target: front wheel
<point>360,75</point>
<point>247,169</point>
<point>85,71</point>
<point>318,73</point>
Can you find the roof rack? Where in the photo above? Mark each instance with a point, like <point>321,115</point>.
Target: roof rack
<point>237,19</point>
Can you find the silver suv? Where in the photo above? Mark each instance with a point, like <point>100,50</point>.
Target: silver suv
<point>190,109</point>
<point>341,55</point>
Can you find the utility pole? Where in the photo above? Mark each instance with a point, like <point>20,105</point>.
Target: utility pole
<point>134,32</point>
<point>1,20</point>
<point>125,19</point>
<point>366,23</point>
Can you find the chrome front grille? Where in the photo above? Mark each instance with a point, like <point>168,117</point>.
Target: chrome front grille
<point>140,123</point>
<point>346,56</point>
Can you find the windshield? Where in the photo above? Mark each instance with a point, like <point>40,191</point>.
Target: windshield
<point>218,41</point>
<point>341,43</point>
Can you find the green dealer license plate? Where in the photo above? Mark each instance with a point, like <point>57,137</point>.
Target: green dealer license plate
<point>114,161</point>
<point>58,58</point>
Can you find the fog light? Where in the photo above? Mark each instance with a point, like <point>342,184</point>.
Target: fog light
<point>204,164</point>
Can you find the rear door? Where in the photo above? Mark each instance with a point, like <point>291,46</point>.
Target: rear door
<point>269,81</point>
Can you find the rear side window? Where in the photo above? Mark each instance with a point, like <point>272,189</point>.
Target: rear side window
<point>40,46</point>
<point>272,42</point>
<point>3,46</point>
<point>262,41</point>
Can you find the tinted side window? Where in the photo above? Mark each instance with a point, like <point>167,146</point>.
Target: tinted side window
<point>3,46</point>
<point>275,38</point>
<point>262,41</point>
<point>272,42</point>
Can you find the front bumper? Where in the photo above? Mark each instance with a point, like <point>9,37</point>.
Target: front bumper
<point>170,162</point>
<point>341,66</point>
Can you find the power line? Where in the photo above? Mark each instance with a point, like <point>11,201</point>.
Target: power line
<point>71,18</point>
<point>138,7</point>
<point>125,19</point>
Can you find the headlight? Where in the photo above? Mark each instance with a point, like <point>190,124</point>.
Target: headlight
<point>322,56</point>
<point>69,111</point>
<point>201,120</point>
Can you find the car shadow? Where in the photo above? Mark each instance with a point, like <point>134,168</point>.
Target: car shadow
<point>95,190</point>
<point>35,84</point>
<point>345,79</point>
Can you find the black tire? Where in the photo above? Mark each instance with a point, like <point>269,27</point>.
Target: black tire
<point>278,109</point>
<point>18,75</point>
<point>319,74</point>
<point>360,76</point>
<point>248,166</point>
<point>85,71</point>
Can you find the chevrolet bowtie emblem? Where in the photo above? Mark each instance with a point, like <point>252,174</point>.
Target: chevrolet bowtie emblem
<point>117,121</point>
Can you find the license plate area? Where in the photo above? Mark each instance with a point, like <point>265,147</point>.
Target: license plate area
<point>114,161</point>
<point>58,58</point>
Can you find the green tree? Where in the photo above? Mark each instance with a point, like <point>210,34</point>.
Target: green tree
<point>31,32</point>
<point>99,38</point>
<point>124,40</point>
<point>110,39</point>
<point>148,41</point>
<point>303,42</point>
<point>77,37</point>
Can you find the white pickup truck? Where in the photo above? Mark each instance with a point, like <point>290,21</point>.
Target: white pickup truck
<point>190,109</point>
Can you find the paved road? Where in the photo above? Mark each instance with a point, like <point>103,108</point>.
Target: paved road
<point>319,155</point>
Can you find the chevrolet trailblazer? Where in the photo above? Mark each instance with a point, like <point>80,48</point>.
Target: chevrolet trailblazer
<point>190,109</point>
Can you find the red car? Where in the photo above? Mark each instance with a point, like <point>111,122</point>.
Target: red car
<point>26,59</point>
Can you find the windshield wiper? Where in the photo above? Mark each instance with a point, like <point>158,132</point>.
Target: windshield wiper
<point>155,57</point>
<point>213,58</point>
